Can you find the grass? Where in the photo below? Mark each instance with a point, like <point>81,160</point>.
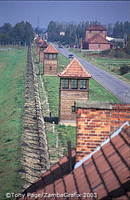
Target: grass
<point>99,93</point>
<point>127,76</point>
<point>52,87</point>
<point>62,62</point>
<point>12,69</point>
<point>64,133</point>
<point>110,64</point>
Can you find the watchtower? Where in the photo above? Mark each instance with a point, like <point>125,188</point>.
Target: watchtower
<point>50,61</point>
<point>74,85</point>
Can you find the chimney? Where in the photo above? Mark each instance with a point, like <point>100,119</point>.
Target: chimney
<point>95,122</point>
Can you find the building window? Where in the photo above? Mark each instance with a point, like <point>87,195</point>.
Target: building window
<point>50,56</point>
<point>65,83</point>
<point>50,68</point>
<point>46,56</point>
<point>74,84</point>
<point>54,56</point>
<point>99,45</point>
<point>83,84</point>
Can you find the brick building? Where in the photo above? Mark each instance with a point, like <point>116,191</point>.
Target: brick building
<point>41,45</point>
<point>95,38</point>
<point>102,174</point>
<point>50,60</point>
<point>74,85</point>
<point>95,123</point>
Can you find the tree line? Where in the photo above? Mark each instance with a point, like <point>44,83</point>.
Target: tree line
<point>22,33</point>
<point>73,33</point>
<point>66,33</point>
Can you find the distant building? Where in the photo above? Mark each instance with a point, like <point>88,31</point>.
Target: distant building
<point>41,45</point>
<point>95,38</point>
<point>50,60</point>
<point>62,33</point>
<point>74,85</point>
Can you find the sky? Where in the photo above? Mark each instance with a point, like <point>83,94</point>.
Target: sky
<point>39,13</point>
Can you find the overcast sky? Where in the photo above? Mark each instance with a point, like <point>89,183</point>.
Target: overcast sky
<point>41,12</point>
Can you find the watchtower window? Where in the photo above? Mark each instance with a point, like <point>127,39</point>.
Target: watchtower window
<point>46,56</point>
<point>74,84</point>
<point>65,83</point>
<point>54,56</point>
<point>50,56</point>
<point>83,84</point>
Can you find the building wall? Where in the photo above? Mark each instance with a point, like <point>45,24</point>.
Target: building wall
<point>67,99</point>
<point>37,49</point>
<point>90,34</point>
<point>99,47</point>
<point>95,125</point>
<point>41,56</point>
<point>50,67</point>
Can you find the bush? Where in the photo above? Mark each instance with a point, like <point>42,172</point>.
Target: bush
<point>124,69</point>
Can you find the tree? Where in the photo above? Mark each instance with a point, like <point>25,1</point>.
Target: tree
<point>5,33</point>
<point>120,28</point>
<point>21,33</point>
<point>127,49</point>
<point>52,32</point>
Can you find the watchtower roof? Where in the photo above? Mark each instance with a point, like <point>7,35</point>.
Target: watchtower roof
<point>51,49</point>
<point>75,69</point>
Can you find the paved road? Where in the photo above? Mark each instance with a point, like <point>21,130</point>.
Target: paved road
<point>118,87</point>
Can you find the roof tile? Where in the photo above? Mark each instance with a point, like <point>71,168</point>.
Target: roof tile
<point>51,49</point>
<point>75,69</point>
<point>59,186</point>
<point>105,173</point>
<point>70,184</point>
<point>97,38</point>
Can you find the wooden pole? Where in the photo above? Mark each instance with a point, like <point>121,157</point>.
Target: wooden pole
<point>69,154</point>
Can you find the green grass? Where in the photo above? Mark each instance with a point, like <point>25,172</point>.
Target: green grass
<point>127,76</point>
<point>99,93</point>
<point>52,87</point>
<point>62,62</point>
<point>65,133</point>
<point>110,64</point>
<point>12,69</point>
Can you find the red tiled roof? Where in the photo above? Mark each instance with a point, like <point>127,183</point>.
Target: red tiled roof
<point>75,69</point>
<point>51,49</point>
<point>56,171</point>
<point>105,173</point>
<point>96,28</point>
<point>97,39</point>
